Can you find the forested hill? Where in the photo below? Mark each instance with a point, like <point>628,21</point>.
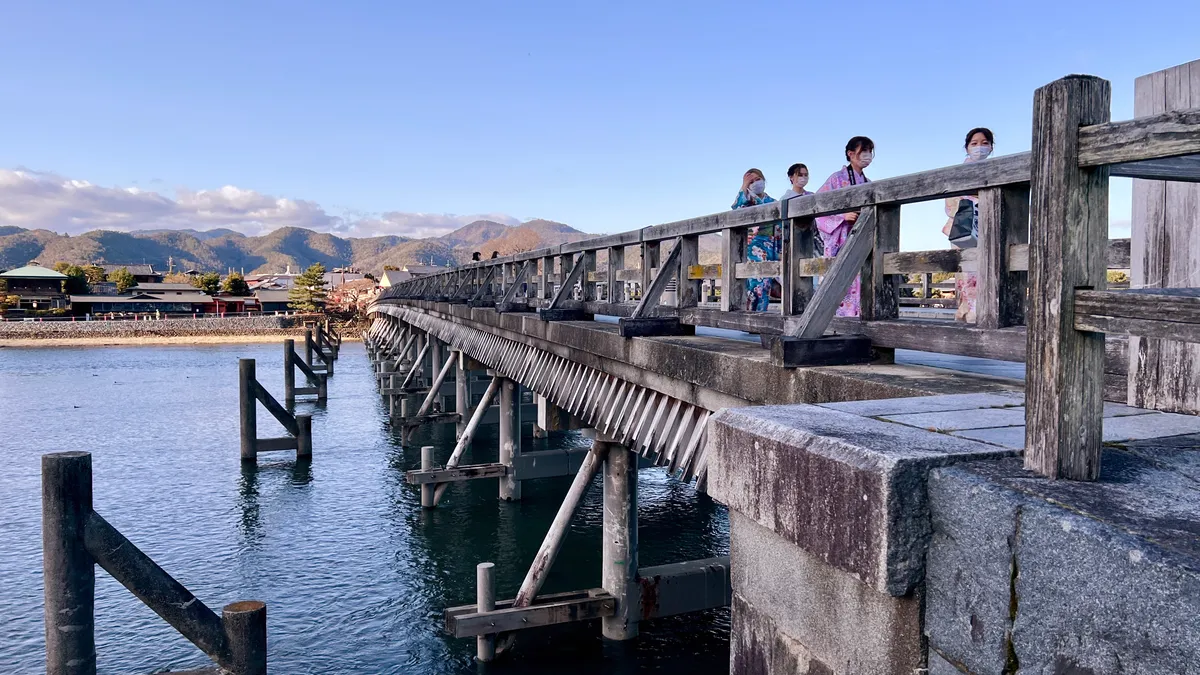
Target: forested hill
<point>219,250</point>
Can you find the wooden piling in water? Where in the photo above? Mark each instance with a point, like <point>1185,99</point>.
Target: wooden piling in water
<point>468,434</point>
<point>245,627</point>
<point>427,489</point>
<point>246,411</point>
<point>462,392</point>
<point>485,601</point>
<point>510,438</point>
<point>289,371</point>
<point>619,558</point>
<point>303,436</point>
<point>68,572</point>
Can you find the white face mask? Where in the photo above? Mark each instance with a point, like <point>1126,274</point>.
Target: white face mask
<point>799,182</point>
<point>758,187</point>
<point>865,159</point>
<point>978,152</point>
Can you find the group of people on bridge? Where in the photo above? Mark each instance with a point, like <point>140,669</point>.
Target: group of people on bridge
<point>765,242</point>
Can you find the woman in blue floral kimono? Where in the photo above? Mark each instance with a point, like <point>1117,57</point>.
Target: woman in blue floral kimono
<point>763,243</point>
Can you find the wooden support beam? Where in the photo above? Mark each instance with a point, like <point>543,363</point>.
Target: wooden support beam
<point>653,293</point>
<point>456,474</point>
<point>1064,374</point>
<point>616,264</point>
<point>468,433</point>
<point>733,252</point>
<point>848,264</point>
<point>880,290</point>
<point>1003,222</point>
<point>1166,313</point>
<point>568,285</point>
<point>799,247</point>
<point>687,290</point>
<point>467,621</point>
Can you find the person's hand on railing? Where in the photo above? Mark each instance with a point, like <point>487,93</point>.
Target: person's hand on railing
<point>851,217</point>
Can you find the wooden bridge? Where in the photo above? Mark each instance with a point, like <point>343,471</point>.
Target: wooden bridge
<point>650,379</point>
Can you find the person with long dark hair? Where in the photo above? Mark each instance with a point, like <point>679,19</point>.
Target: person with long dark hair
<point>835,229</point>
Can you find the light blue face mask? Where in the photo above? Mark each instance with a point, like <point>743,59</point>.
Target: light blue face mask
<point>978,152</point>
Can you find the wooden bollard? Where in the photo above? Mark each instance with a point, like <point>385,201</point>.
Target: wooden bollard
<point>485,601</point>
<point>289,371</point>
<point>68,571</point>
<point>304,437</point>
<point>245,626</point>
<point>427,489</point>
<point>308,346</point>
<point>247,413</point>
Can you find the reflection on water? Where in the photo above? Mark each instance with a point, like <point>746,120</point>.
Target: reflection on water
<point>354,572</point>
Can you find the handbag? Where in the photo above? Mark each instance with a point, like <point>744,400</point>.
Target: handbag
<point>962,228</point>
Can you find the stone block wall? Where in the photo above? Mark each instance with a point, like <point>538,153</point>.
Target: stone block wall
<point>238,325</point>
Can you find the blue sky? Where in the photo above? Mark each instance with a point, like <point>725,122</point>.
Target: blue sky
<point>606,116</point>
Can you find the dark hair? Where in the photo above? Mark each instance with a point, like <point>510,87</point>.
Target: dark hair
<point>859,143</point>
<point>475,255</point>
<point>495,254</point>
<point>795,169</point>
<point>987,133</point>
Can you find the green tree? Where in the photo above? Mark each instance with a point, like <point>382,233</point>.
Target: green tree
<point>235,284</point>
<point>77,282</point>
<point>209,282</point>
<point>123,278</point>
<point>94,274</point>
<point>308,290</point>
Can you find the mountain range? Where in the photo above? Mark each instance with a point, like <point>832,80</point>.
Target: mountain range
<point>222,249</point>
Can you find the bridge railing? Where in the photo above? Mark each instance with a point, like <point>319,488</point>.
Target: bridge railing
<point>1043,253</point>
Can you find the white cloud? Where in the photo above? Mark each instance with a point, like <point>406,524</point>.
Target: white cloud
<point>34,199</point>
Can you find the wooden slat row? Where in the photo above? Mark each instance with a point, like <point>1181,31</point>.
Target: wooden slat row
<point>666,430</point>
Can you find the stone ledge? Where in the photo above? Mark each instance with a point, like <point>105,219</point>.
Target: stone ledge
<point>847,489</point>
<point>1067,576</point>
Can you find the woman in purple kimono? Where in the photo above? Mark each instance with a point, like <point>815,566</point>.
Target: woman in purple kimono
<point>835,229</point>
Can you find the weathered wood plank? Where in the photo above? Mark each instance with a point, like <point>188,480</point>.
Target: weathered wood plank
<point>615,265</point>
<point>1003,222</point>
<point>1186,169</point>
<point>274,444</point>
<point>687,290</point>
<point>568,286</point>
<point>880,289</point>
<point>733,253</point>
<point>1064,377</point>
<point>456,474</point>
<point>548,610</point>
<point>1168,134</point>
<point>757,269</point>
<point>704,271</point>
<point>847,265</point>
<point>653,293</point>
<point>799,249</point>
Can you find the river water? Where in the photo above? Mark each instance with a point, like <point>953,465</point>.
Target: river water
<point>354,573</point>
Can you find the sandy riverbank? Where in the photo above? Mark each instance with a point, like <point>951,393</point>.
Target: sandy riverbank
<point>148,340</point>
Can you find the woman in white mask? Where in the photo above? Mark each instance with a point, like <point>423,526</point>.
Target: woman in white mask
<point>761,244</point>
<point>965,210</point>
<point>835,229</point>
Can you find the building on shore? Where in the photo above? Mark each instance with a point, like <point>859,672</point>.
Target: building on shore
<point>393,277</point>
<point>141,303</point>
<point>36,287</point>
<point>142,273</point>
<point>272,300</point>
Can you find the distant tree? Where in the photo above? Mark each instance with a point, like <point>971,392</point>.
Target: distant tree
<point>235,284</point>
<point>95,274</point>
<point>390,268</point>
<point>177,278</point>
<point>209,282</point>
<point>368,275</point>
<point>77,282</point>
<point>123,278</point>
<point>308,289</point>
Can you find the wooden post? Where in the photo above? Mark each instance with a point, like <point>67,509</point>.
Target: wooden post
<point>485,601</point>
<point>1064,368</point>
<point>68,572</point>
<point>247,410</point>
<point>427,488</point>
<point>462,392</point>
<point>616,263</point>
<point>799,244</point>
<point>567,264</point>
<point>650,255</point>
<point>733,251</point>
<point>1003,221</point>
<point>437,358</point>
<point>880,292</point>
<point>308,346</point>
<point>619,565</point>
<point>546,290</point>
<point>1165,252</point>
<point>303,436</point>
<point>687,291</point>
<point>289,372</point>
<point>510,438</point>
<point>245,626</point>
